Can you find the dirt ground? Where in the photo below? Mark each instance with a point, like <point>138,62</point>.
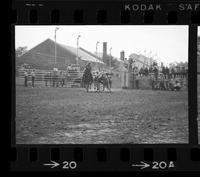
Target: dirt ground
<point>73,116</point>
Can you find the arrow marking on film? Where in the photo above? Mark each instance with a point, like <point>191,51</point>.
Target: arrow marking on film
<point>53,164</point>
<point>143,165</point>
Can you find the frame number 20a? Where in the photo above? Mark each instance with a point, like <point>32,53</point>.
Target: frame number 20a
<point>162,165</point>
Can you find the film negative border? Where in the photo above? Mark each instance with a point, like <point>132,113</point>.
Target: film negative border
<point>104,13</point>
<point>106,159</point>
<point>112,157</point>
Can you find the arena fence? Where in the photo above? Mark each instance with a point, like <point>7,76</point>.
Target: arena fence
<point>72,78</point>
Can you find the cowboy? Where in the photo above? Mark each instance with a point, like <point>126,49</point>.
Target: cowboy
<point>87,76</point>
<point>88,66</point>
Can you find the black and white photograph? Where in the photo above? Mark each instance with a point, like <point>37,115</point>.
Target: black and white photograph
<point>198,81</point>
<point>102,84</point>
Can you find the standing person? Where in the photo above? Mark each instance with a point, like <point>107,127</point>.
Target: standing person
<point>162,82</point>
<point>25,79</point>
<point>155,81</point>
<point>167,72</point>
<point>152,81</point>
<point>33,78</point>
<point>151,69</point>
<point>46,78</point>
<point>62,77</point>
<point>137,81</point>
<point>51,79</point>
<point>163,70</point>
<point>54,77</point>
<point>88,66</point>
<point>140,72</point>
<point>67,77</point>
<point>155,70</point>
<point>146,71</point>
<point>172,73</point>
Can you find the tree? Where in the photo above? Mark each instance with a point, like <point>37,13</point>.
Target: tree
<point>20,51</point>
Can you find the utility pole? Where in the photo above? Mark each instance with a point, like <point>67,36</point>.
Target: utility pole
<point>110,58</point>
<point>56,29</point>
<point>96,53</point>
<point>77,49</point>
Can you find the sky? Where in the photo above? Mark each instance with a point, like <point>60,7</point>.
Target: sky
<point>164,43</point>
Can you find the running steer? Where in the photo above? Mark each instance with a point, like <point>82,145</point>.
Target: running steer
<point>105,80</point>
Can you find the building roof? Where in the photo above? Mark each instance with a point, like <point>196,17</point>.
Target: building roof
<point>86,56</point>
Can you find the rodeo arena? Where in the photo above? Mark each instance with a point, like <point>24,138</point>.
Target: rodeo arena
<point>74,96</point>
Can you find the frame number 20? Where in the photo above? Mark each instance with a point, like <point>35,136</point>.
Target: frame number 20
<point>69,165</point>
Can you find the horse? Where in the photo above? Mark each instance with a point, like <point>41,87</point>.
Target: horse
<point>87,79</point>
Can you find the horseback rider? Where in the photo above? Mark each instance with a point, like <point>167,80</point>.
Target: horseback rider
<point>87,76</point>
<point>88,67</point>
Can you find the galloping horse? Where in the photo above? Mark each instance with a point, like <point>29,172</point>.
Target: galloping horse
<point>87,78</point>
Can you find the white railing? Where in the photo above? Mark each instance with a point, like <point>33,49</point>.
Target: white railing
<point>71,78</point>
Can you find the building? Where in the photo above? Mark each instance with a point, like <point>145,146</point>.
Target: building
<point>140,60</point>
<point>42,56</point>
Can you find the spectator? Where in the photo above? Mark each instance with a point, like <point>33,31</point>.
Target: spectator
<point>184,72</point>
<point>135,70</point>
<point>163,70</point>
<point>155,71</point>
<point>54,78</point>
<point>137,81</point>
<point>162,85</point>
<point>130,64</point>
<point>150,69</point>
<point>153,82</point>
<point>46,77</point>
<point>172,74</point>
<point>167,72</point>
<point>141,71</point>
<point>33,78</point>
<point>25,79</point>
<point>146,71</point>
<point>62,77</point>
<point>50,78</point>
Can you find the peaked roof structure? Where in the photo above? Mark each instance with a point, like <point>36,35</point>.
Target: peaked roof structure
<point>82,53</point>
<point>86,56</point>
<point>43,56</point>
